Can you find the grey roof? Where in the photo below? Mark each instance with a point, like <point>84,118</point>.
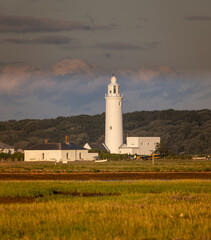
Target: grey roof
<point>56,146</point>
<point>4,145</point>
<point>98,147</point>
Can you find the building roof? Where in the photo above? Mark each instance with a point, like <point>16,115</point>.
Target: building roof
<point>4,145</point>
<point>56,146</point>
<point>96,147</point>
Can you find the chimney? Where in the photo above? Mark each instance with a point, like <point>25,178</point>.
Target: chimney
<point>46,140</point>
<point>67,139</point>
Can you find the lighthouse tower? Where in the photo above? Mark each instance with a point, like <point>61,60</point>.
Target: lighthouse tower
<point>113,122</point>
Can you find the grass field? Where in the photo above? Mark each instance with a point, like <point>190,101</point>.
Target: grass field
<point>161,165</point>
<point>105,210</point>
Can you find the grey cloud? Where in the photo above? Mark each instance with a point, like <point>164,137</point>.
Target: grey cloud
<point>117,46</point>
<point>127,46</point>
<point>198,18</point>
<point>24,24</point>
<point>143,19</point>
<point>11,63</point>
<point>150,45</point>
<point>42,40</point>
<point>107,55</point>
<point>91,19</point>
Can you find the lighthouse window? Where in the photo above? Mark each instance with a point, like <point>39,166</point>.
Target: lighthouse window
<point>120,104</point>
<point>110,127</point>
<point>114,89</point>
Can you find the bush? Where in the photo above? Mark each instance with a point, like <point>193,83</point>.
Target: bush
<point>112,156</point>
<point>15,156</point>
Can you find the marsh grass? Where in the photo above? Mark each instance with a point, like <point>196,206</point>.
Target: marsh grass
<point>161,165</point>
<point>141,210</point>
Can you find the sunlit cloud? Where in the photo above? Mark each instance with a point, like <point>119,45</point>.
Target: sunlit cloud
<point>75,86</point>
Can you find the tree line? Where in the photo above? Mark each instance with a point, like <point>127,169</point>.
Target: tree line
<point>184,132</point>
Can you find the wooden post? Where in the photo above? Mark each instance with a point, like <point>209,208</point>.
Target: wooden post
<point>153,158</point>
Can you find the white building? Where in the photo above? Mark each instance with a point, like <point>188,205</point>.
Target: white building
<point>5,148</point>
<point>114,127</point>
<point>140,145</point>
<point>113,123</point>
<point>58,152</point>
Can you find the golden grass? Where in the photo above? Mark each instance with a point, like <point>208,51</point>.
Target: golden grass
<point>142,210</point>
<point>161,165</point>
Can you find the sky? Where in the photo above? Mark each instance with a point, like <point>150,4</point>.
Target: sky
<point>57,56</point>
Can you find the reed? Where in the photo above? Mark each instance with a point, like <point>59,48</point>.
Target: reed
<point>109,210</point>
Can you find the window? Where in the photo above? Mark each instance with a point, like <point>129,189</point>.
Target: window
<point>148,143</point>
<point>110,127</point>
<point>79,155</point>
<point>43,155</point>
<point>114,89</point>
<point>120,104</point>
<point>66,155</point>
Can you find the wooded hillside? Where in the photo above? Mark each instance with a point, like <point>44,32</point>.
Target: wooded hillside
<point>182,131</point>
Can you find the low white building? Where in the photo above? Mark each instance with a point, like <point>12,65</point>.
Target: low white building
<point>5,148</point>
<point>140,145</point>
<point>58,152</point>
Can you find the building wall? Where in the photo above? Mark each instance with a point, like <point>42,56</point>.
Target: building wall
<point>140,145</point>
<point>87,146</point>
<point>37,155</point>
<point>132,141</point>
<point>128,150</point>
<point>147,145</point>
<point>58,155</point>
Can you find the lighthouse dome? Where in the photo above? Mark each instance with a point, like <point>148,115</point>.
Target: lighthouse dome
<point>113,79</point>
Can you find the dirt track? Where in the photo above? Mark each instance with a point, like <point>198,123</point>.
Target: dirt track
<point>106,176</point>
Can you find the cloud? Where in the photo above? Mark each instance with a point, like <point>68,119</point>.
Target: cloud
<point>74,66</point>
<point>11,63</point>
<point>160,71</point>
<point>52,40</point>
<point>25,24</point>
<point>198,18</point>
<point>149,73</point>
<point>107,55</point>
<point>119,46</point>
<point>14,78</point>
<point>22,79</point>
<point>91,19</point>
<point>75,86</point>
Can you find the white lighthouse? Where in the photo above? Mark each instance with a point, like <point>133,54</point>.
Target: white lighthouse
<point>113,122</point>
